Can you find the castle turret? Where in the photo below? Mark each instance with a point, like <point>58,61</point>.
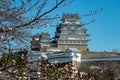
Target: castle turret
<point>45,41</point>
<point>41,42</point>
<point>35,43</point>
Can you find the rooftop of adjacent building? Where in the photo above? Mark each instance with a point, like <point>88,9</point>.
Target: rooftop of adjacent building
<point>56,51</point>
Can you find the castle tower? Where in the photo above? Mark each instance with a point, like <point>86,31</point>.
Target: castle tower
<point>41,42</point>
<point>71,34</point>
<point>35,43</point>
<point>45,41</point>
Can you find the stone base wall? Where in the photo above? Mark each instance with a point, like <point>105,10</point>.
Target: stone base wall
<point>81,48</point>
<point>76,64</point>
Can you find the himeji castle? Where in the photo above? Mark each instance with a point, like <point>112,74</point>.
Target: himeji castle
<point>70,33</point>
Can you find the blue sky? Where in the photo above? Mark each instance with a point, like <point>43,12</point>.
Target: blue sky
<point>104,31</point>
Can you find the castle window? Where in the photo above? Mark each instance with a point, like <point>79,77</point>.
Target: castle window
<point>74,42</point>
<point>36,39</point>
<point>68,41</point>
<point>62,41</point>
<point>84,37</point>
<point>83,42</point>
<point>82,32</point>
<point>62,37</point>
<point>63,32</point>
<point>65,41</point>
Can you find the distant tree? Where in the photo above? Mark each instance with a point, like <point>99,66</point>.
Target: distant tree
<point>115,50</point>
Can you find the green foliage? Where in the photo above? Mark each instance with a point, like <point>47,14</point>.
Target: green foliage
<point>3,59</point>
<point>13,63</point>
